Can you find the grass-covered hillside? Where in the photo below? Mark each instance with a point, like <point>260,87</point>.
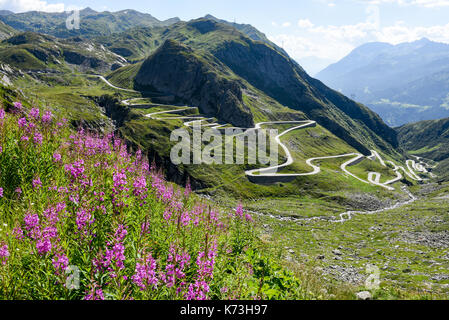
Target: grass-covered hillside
<point>428,139</point>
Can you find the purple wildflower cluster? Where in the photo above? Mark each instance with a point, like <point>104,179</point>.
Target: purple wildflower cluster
<point>94,205</point>
<point>4,253</point>
<point>145,275</point>
<point>239,213</point>
<point>114,257</point>
<point>205,273</point>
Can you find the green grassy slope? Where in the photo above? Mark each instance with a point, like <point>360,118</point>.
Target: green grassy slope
<point>428,139</point>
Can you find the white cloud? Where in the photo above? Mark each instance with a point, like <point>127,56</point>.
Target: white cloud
<point>331,42</point>
<point>31,5</point>
<point>305,23</point>
<point>286,24</point>
<point>421,3</point>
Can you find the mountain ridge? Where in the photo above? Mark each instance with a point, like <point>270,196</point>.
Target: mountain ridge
<point>93,23</point>
<point>379,75</point>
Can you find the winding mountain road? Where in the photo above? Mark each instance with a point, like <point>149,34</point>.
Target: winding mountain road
<point>270,174</point>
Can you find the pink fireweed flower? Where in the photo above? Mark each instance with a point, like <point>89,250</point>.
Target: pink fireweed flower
<point>99,196</point>
<point>76,169</point>
<point>83,217</point>
<point>1,149</point>
<point>31,221</point>
<point>63,190</point>
<point>60,263</point>
<point>116,250</point>
<point>119,179</point>
<point>57,157</point>
<point>61,124</point>
<point>43,246</point>
<point>18,233</point>
<point>145,228</point>
<point>35,113</point>
<point>50,232</point>
<point>239,211</point>
<point>168,194</point>
<point>2,114</point>
<point>1,192</point>
<point>167,215</point>
<point>138,156</point>
<point>175,268</point>
<point>120,233</point>
<point>140,185</point>
<point>22,122</point>
<point>206,263</point>
<point>197,291</point>
<point>52,214</point>
<point>37,183</point>
<point>185,218</point>
<point>248,217</point>
<point>115,254</point>
<point>213,215</point>
<point>30,127</point>
<point>38,138</point>
<point>188,189</point>
<point>95,293</point>
<point>47,117</point>
<point>145,274</point>
<point>4,254</point>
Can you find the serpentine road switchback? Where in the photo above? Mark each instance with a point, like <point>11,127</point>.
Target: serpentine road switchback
<point>270,174</point>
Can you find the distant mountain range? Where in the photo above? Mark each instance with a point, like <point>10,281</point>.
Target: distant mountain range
<point>92,24</point>
<point>403,83</point>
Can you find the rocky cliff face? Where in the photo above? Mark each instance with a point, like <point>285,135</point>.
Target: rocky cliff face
<point>197,80</point>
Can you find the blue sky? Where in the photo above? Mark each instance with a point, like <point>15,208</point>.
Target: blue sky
<point>314,32</point>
